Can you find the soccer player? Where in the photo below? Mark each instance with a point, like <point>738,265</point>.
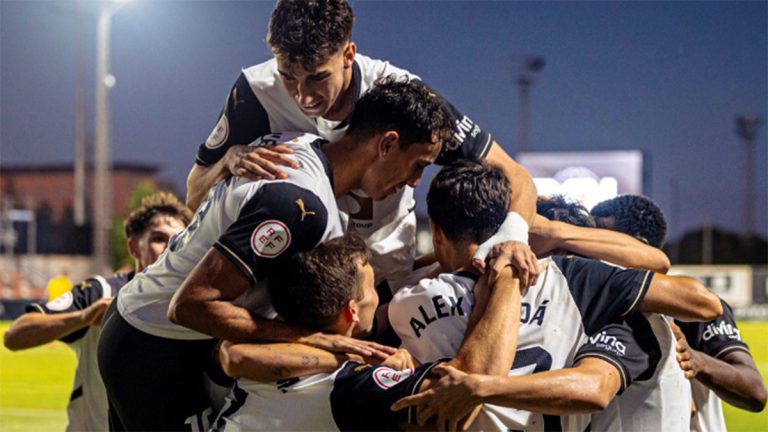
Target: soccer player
<point>475,197</point>
<point>312,85</point>
<point>711,354</point>
<point>75,317</point>
<point>209,283</point>
<point>635,215</point>
<point>574,298</point>
<point>331,289</point>
<point>659,396</point>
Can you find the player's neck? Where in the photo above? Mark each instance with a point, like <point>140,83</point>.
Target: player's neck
<point>343,104</point>
<point>348,161</point>
<point>459,257</point>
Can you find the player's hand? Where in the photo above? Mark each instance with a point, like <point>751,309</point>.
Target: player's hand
<point>515,254</point>
<point>93,314</point>
<point>452,398</point>
<point>259,163</point>
<point>686,356</point>
<point>400,360</point>
<point>343,344</point>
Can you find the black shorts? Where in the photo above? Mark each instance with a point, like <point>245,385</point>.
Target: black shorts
<point>153,383</point>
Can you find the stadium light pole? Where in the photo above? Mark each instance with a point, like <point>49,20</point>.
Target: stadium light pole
<point>528,66</point>
<point>746,129</point>
<point>102,188</point>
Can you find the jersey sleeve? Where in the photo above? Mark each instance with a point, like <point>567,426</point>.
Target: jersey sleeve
<point>77,299</point>
<point>603,292</point>
<point>362,396</point>
<point>715,338</point>
<point>242,120</point>
<point>470,141</point>
<point>278,220</point>
<point>617,345</point>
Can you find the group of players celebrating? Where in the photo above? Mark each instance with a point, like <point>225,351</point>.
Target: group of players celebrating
<point>280,305</point>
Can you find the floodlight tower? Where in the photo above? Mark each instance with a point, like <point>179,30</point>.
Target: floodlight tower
<point>746,129</point>
<point>527,67</point>
<point>102,203</point>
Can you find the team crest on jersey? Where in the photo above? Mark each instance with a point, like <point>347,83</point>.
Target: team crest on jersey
<point>270,239</point>
<point>219,134</point>
<point>385,377</point>
<point>61,303</point>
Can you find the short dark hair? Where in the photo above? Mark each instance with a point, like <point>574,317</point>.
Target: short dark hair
<point>309,31</point>
<point>635,215</point>
<point>468,200</point>
<point>313,287</point>
<point>407,106</point>
<point>165,203</point>
<point>559,208</point>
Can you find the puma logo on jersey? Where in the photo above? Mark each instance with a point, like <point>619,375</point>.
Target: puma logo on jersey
<point>440,308</point>
<point>304,212</point>
<point>611,342</point>
<point>723,328</point>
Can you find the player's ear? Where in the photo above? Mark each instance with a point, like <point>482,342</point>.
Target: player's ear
<point>350,312</point>
<point>437,234</point>
<point>387,142</point>
<point>133,248</point>
<point>349,54</point>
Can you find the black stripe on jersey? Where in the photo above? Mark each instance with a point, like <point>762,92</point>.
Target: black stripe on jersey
<point>231,407</point>
<point>610,360</point>
<point>730,349</point>
<point>247,120</point>
<point>76,393</point>
<point>602,292</point>
<point>415,389</point>
<point>357,78</point>
<point>316,146</point>
<point>298,216</point>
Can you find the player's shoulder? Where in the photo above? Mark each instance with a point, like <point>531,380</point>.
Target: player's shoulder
<point>442,283</point>
<point>263,75</point>
<point>373,69</point>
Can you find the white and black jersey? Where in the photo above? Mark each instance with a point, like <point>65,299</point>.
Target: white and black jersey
<point>258,104</point>
<point>352,398</point>
<point>716,338</point>
<point>659,398</point>
<point>87,406</point>
<point>256,224</point>
<point>573,299</point>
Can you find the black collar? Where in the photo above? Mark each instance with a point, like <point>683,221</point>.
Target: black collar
<point>316,146</point>
<point>356,85</point>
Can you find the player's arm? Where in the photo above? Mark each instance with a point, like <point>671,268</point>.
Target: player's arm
<point>721,361</point>
<point>681,297</point>
<point>278,361</point>
<point>204,303</point>
<point>255,163</point>
<point>491,337</point>
<point>611,246</point>
<point>65,318</point>
<point>225,151</point>
<point>523,191</point>
<point>589,386</point>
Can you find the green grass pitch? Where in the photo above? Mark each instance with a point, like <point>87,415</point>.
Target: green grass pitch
<point>35,385</point>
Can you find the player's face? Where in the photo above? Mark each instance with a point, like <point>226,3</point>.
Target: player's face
<point>319,91</point>
<point>399,168</point>
<point>147,247</point>
<point>369,302</point>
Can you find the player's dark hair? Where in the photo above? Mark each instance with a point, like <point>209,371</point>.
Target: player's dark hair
<point>634,215</point>
<point>307,32</point>
<point>406,106</point>
<point>559,208</point>
<point>468,200</point>
<point>164,203</point>
<point>314,286</point>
